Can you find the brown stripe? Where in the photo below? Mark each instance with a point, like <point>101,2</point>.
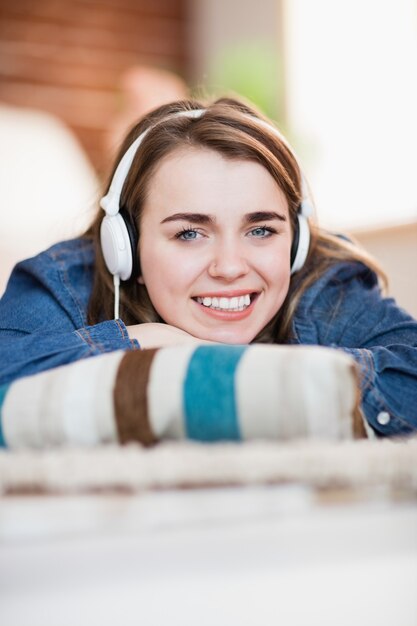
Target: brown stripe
<point>130,397</point>
<point>359,431</point>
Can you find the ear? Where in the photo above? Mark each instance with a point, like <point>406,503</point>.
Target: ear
<point>140,280</point>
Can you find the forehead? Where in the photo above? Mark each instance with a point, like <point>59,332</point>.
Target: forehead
<point>194,178</point>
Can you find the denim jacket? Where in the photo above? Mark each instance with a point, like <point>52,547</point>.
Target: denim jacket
<point>43,325</point>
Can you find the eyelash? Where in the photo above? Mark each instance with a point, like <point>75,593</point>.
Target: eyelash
<point>268,230</point>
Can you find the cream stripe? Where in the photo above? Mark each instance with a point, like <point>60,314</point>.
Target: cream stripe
<point>330,393</point>
<point>287,392</point>
<point>165,391</point>
<point>72,404</point>
<point>259,395</point>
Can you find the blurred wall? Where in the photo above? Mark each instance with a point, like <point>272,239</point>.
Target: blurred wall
<point>239,45</point>
<point>69,74</point>
<point>396,250</point>
<point>66,57</point>
<point>48,187</point>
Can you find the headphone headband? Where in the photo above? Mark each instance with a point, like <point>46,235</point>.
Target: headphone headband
<point>110,203</point>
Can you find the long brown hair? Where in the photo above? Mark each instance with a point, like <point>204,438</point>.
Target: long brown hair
<point>232,129</point>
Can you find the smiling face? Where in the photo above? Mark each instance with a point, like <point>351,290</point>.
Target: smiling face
<point>215,241</point>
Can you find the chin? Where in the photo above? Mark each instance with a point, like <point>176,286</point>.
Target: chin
<point>229,337</point>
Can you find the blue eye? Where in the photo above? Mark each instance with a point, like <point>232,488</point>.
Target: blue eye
<point>262,232</point>
<point>187,234</point>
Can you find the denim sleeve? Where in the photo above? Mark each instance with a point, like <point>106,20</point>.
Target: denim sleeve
<point>389,388</point>
<point>35,352</point>
<point>350,313</point>
<point>43,319</point>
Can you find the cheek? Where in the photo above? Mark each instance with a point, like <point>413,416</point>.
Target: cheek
<point>279,289</point>
<point>275,268</point>
<point>156,270</point>
<point>166,271</point>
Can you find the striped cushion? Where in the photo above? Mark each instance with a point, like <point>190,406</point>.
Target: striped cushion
<point>201,392</point>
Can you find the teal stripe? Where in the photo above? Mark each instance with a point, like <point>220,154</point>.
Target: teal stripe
<point>209,394</point>
<point>3,391</point>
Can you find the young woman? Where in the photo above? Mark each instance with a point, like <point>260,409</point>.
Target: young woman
<point>206,224</point>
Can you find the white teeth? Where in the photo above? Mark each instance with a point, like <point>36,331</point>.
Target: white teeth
<point>226,304</point>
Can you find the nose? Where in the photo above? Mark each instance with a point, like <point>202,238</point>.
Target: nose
<point>228,262</point>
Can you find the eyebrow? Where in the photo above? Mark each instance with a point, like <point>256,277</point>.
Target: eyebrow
<point>264,216</point>
<point>203,218</point>
<point>196,218</point>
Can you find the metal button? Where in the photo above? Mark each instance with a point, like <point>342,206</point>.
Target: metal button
<point>383,418</point>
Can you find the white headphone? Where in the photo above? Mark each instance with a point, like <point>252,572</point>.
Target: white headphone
<point>117,234</point>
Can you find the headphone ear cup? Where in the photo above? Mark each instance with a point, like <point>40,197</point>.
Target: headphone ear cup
<point>295,240</point>
<point>301,243</point>
<point>133,239</point>
<point>116,246</point>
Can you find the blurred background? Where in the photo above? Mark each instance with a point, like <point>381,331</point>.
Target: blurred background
<point>339,78</point>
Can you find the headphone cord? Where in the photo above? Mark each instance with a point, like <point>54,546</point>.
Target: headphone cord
<point>116,283</point>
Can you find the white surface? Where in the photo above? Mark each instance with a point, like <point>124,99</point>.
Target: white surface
<point>48,186</point>
<point>224,556</point>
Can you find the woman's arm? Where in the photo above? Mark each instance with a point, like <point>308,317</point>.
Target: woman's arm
<point>43,314</point>
<point>155,335</point>
<point>347,311</point>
